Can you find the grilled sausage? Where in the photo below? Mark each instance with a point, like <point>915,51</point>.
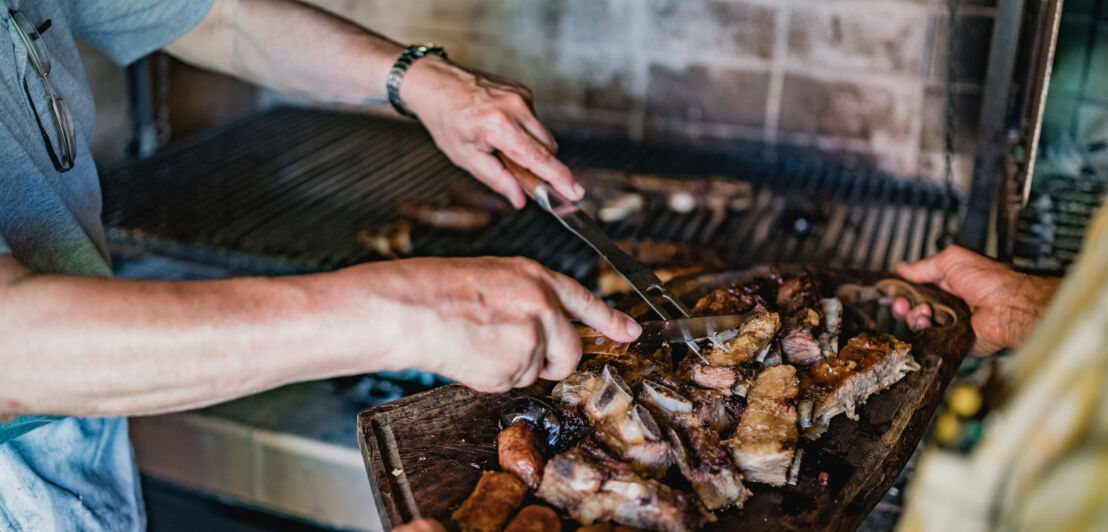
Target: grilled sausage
<point>521,453</point>
<point>492,503</point>
<point>454,217</point>
<point>535,518</point>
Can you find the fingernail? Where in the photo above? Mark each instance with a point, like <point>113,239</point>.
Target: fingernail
<point>578,190</point>
<point>633,328</point>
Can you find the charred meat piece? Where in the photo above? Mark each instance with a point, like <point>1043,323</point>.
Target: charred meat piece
<point>631,367</point>
<point>706,465</point>
<point>796,293</point>
<point>535,518</point>
<point>520,452</point>
<point>798,342</point>
<point>624,426</point>
<point>497,496</point>
<point>737,298</point>
<point>592,487</point>
<point>709,407</point>
<point>442,215</point>
<point>765,441</point>
<point>754,337</point>
<point>667,259</point>
<point>866,365</point>
<point>696,447</point>
<point>721,378</point>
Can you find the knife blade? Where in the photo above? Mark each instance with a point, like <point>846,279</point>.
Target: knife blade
<point>645,283</point>
<point>693,328</point>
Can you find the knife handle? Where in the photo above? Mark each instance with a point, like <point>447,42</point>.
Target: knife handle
<point>527,179</point>
<point>594,343</point>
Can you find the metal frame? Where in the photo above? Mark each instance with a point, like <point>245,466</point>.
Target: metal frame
<point>1008,136</point>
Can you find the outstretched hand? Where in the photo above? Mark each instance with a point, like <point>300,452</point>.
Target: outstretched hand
<point>1006,305</point>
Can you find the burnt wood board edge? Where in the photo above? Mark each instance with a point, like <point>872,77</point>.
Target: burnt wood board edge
<point>424,453</point>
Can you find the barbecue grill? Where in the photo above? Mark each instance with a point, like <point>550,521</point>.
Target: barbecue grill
<point>286,191</point>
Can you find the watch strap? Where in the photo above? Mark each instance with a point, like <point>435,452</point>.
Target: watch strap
<point>396,75</point>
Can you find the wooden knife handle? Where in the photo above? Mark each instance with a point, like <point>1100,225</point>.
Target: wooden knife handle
<point>528,180</point>
<point>594,343</point>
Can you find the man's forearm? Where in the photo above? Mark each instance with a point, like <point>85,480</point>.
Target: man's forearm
<point>292,48</point>
<point>97,347</point>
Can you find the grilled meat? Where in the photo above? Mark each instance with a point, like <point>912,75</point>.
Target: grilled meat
<point>696,446</point>
<point>765,441</point>
<point>497,496</point>
<point>624,426</point>
<point>721,378</point>
<point>798,343</point>
<point>520,453</point>
<point>737,298</point>
<point>393,240</point>
<point>593,486</point>
<point>866,365</point>
<point>470,193</point>
<point>707,466</point>
<point>667,259</point>
<point>535,518</point>
<point>605,527</point>
<point>796,293</point>
<point>754,336</point>
<point>443,216</point>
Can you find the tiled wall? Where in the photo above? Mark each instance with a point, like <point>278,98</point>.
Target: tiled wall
<point>862,81</point>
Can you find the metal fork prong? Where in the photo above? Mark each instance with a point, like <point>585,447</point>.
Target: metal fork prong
<point>717,343</point>
<point>696,349</point>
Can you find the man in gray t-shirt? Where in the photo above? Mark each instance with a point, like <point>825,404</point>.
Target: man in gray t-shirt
<point>80,349</point>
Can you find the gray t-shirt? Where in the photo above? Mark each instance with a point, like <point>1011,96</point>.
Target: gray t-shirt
<point>70,473</point>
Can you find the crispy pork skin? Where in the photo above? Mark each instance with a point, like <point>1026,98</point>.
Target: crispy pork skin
<point>765,441</point>
<point>497,496</point>
<point>520,453</point>
<point>867,364</point>
<point>535,518</point>
<point>594,487</point>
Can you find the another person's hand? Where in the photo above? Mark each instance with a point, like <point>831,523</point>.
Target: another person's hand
<point>1006,305</point>
<point>472,115</point>
<point>491,323</point>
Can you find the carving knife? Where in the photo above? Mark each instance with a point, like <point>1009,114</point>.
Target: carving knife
<point>641,278</point>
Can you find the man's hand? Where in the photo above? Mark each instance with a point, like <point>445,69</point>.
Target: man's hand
<point>472,115</point>
<point>491,323</point>
<point>1006,305</point>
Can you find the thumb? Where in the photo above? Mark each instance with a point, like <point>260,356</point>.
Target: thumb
<point>929,270</point>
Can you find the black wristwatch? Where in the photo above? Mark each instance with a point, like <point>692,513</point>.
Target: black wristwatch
<point>396,75</point>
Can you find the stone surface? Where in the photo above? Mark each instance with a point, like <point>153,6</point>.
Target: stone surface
<point>967,114</point>
<point>887,37</point>
<point>711,26</point>
<point>847,109</point>
<point>697,93</point>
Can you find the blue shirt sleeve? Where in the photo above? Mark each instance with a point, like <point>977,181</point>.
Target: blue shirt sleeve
<point>4,249</point>
<point>127,30</point>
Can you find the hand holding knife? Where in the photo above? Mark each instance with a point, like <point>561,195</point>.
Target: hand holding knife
<point>640,277</point>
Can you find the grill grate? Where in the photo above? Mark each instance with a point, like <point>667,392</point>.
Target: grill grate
<point>287,190</point>
<point>1050,231</point>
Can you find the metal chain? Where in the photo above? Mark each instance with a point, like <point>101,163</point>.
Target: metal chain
<point>946,238</point>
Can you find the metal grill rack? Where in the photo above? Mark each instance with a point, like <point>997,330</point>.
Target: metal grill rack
<point>1050,231</point>
<point>287,190</point>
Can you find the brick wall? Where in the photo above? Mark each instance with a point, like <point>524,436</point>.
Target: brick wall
<point>860,81</point>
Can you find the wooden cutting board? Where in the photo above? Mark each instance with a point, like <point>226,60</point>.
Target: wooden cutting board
<point>424,453</point>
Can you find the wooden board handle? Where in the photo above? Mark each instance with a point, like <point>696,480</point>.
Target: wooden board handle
<point>594,343</point>
<point>527,179</point>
